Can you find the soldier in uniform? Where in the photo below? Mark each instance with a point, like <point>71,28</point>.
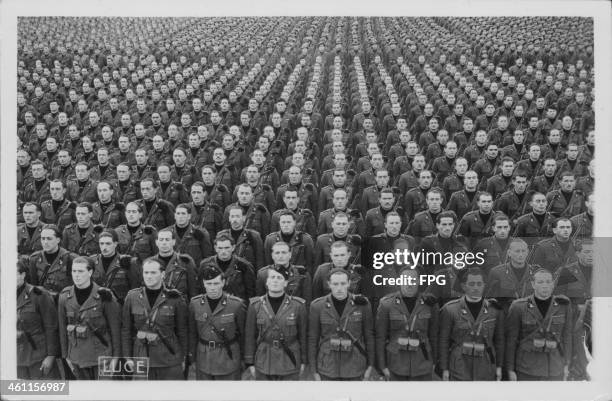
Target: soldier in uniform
<point>471,333</point>
<point>262,193</point>
<point>89,319</point>
<point>119,273</point>
<point>249,244</point>
<point>256,213</point>
<point>478,224</point>
<point>370,195</point>
<point>306,191</point>
<point>539,333</point>
<point>179,268</point>
<point>301,244</point>
<point>275,333</point>
<point>464,200</point>
<point>535,225</point>
<point>341,333</point>
<point>376,217</point>
<point>566,201</point>
<point>155,324</point>
<point>340,232</point>
<point>407,332</point>
<point>423,223</point>
<point>414,199</point>
<point>135,238</point>
<point>83,189</point>
<point>515,201</point>
<point>190,239</point>
<point>50,267</point>
<point>340,202</point>
<point>37,190</point>
<point>82,237</point>
<point>58,210</point>
<point>106,212</point>
<point>502,182</point>
<point>299,280</point>
<point>37,331</point>
<point>304,217</point>
<point>582,224</point>
<point>126,189</point>
<point>494,248</point>
<point>216,329</point>
<point>170,190</point>
<point>238,272</point>
<point>552,253</point>
<point>157,212</point>
<point>574,280</point>
<point>28,233</point>
<point>204,214</point>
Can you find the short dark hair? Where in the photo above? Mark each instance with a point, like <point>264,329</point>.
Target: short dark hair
<point>82,259</point>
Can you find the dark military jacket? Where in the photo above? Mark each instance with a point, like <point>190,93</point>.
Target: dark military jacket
<point>161,214</point>
<point>248,246</point>
<point>122,274</point>
<point>64,215</point>
<point>88,193</point>
<point>301,245</point>
<point>26,244</point>
<point>239,276</point>
<point>87,245</point>
<point>141,244</point>
<point>112,217</point>
<point>299,283</point>
<point>54,277</point>
<point>320,286</point>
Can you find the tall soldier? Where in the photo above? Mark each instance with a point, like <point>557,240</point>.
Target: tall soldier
<point>37,332</point>
<point>119,273</point>
<point>190,240</point>
<point>89,320</point>
<point>299,280</point>
<point>275,333</point>
<point>301,244</point>
<point>50,267</point>
<point>82,237</point>
<point>341,333</point>
<point>510,279</point>
<point>216,329</point>
<point>58,210</point>
<point>154,325</point>
<point>539,333</point>
<point>237,272</point>
<point>407,332</point>
<point>135,238</point>
<point>248,242</point>
<point>341,258</point>
<point>28,232</point>
<point>156,211</point>
<point>471,333</point>
<point>179,268</point>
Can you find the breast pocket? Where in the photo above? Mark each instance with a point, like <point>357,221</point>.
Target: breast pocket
<point>166,315</point>
<point>557,323</point>
<point>396,321</point>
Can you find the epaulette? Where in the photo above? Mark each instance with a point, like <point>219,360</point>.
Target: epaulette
<point>300,300</point>
<point>306,212</point>
<point>71,226</point>
<point>358,268</point>
<point>65,290</point>
<point>309,186</point>
<point>562,299</point>
<point>494,303</point>
<point>301,269</point>
<point>235,298</point>
<point>198,234</point>
<point>119,206</point>
<point>266,187</point>
<point>429,299</point>
<point>125,262</point>
<point>254,300</point>
<point>185,258</point>
<point>149,230</point>
<point>318,300</point>
<point>98,228</point>
<point>355,213</point>
<point>354,239</point>
<point>106,295</point>
<point>173,293</point>
<point>199,296</point>
<point>178,186</point>
<point>451,302</point>
<point>359,299</point>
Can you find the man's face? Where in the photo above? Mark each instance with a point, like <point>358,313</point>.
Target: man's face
<point>434,201</point>
<point>568,183</point>
<point>147,190</point>
<point>474,286</point>
<point>340,226</point>
<point>152,275</point>
<point>81,276</point>
<point>485,203</point>
<point>386,201</point>
<point>165,242</point>
<point>30,215</point>
<point>393,225</point>
<point>224,250</point>
<point>425,180</point>
<point>281,254</point>
<point>182,216</point>
<point>585,255</point>
<point>275,282</point>
<point>245,195</point>
<point>445,227</point>
<point>382,178</point>
<point>104,192</point>
<point>543,284</point>
<point>179,158</point>
<point>287,225</point>
<point>107,246</point>
<point>517,252</point>
<point>563,229</point>
<point>340,256</point>
<point>236,219</point>
<point>339,285</point>
<point>83,216</point>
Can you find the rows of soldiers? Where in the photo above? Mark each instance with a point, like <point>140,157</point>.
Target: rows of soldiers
<point>233,226</point>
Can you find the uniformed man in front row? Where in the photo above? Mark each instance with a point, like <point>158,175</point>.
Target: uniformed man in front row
<point>275,342</point>
<point>216,329</point>
<point>407,332</point>
<point>539,333</point>
<point>471,333</point>
<point>155,325</point>
<point>341,333</point>
<point>89,319</point>
<point>37,332</point>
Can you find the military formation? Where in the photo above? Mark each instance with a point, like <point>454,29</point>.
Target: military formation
<point>209,194</point>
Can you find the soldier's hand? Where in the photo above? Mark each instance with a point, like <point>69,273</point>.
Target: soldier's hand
<point>47,364</point>
<point>302,367</point>
<point>367,374</point>
<point>317,376</point>
<point>252,370</point>
<point>445,375</point>
<point>512,376</point>
<point>387,373</point>
<point>498,374</point>
<point>183,366</point>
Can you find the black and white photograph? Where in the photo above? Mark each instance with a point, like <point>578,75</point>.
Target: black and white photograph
<point>396,197</point>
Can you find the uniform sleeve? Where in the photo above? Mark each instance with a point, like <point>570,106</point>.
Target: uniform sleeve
<point>48,312</point>
<point>307,288</point>
<point>317,284</point>
<point>192,327</point>
<point>318,253</point>
<point>314,332</point>
<point>308,253</point>
<point>303,332</point>
<point>126,329</point>
<point>250,335</point>
<point>112,312</point>
<point>368,334</point>
<point>240,319</point>
<point>181,324</point>
<point>499,339</point>
<point>192,279</point>
<point>512,330</point>
<point>259,250</point>
<point>433,332</point>
<point>446,326</point>
<point>382,329</point>
<point>260,283</point>
<point>62,322</point>
<point>249,280</point>
<point>567,335</point>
